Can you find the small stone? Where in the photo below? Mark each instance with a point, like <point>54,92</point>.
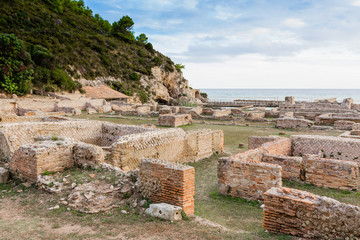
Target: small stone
<point>92,175</point>
<point>111,187</point>
<point>55,207</point>
<point>126,169</point>
<point>241,145</point>
<point>20,190</point>
<point>142,203</point>
<point>124,212</point>
<point>282,133</point>
<point>73,185</point>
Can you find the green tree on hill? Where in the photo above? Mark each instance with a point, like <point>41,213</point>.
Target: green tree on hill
<point>15,65</point>
<point>142,38</point>
<point>124,29</point>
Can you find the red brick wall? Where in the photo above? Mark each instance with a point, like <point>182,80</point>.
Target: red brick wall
<point>176,183</point>
<point>280,147</point>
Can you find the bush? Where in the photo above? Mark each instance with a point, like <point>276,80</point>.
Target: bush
<point>204,95</point>
<point>42,57</point>
<point>157,61</point>
<point>134,76</point>
<point>62,79</point>
<point>143,96</point>
<point>15,76</point>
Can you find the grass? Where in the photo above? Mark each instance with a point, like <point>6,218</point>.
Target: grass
<point>31,219</point>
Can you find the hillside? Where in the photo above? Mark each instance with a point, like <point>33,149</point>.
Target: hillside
<point>63,37</point>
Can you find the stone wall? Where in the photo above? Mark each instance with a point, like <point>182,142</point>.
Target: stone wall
<point>257,141</point>
<point>168,183</point>
<point>343,125</point>
<point>299,213</point>
<point>328,147</point>
<point>246,179</point>
<point>280,147</point>
<point>88,155</point>
<point>291,166</point>
<point>173,120</point>
<point>13,135</point>
<point>289,122</point>
<point>331,118</point>
<point>174,145</point>
<point>330,173</point>
<point>31,160</point>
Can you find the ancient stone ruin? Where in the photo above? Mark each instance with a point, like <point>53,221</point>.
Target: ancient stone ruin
<point>330,162</point>
<point>172,120</point>
<point>93,142</point>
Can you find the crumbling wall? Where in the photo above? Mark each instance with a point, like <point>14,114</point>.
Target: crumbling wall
<point>291,166</point>
<point>257,141</point>
<point>18,134</point>
<point>173,120</point>
<point>163,144</point>
<point>247,180</point>
<point>327,146</point>
<point>343,125</point>
<point>168,183</point>
<point>290,122</point>
<point>111,132</point>
<point>330,173</point>
<point>31,160</point>
<point>88,155</point>
<point>280,147</point>
<point>174,145</point>
<point>331,118</point>
<point>300,213</point>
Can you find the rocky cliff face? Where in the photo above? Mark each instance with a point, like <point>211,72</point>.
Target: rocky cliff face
<point>167,86</point>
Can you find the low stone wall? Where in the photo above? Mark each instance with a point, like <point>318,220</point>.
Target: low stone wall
<point>221,113</point>
<point>31,160</point>
<point>331,118</point>
<point>328,147</point>
<point>292,167</point>
<point>14,135</point>
<point>88,155</point>
<point>257,141</point>
<point>299,213</point>
<point>173,120</point>
<point>280,147</point>
<point>247,180</point>
<point>173,145</point>
<point>343,125</point>
<point>168,183</point>
<point>330,173</point>
<point>289,122</point>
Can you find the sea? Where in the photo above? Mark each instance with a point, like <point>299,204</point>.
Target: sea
<point>280,94</point>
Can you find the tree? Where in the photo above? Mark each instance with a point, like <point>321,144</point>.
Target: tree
<point>124,29</point>
<point>179,66</point>
<point>104,24</point>
<point>15,65</point>
<point>142,38</point>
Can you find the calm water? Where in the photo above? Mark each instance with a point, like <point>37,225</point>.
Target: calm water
<point>280,94</point>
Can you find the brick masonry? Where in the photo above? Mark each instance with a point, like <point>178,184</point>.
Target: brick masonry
<point>168,183</point>
<point>300,213</point>
<point>328,147</point>
<point>330,173</point>
<point>247,180</point>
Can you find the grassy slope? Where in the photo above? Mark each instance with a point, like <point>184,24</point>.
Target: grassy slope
<point>236,214</point>
<point>77,40</point>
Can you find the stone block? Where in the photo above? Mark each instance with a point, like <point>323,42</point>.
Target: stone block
<point>4,175</point>
<point>164,211</point>
<point>91,110</point>
<point>143,110</point>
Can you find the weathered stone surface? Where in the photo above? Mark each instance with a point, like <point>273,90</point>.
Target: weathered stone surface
<point>245,179</point>
<point>94,197</point>
<point>175,120</point>
<point>221,113</point>
<point>163,182</point>
<point>300,213</point>
<point>143,110</point>
<point>91,110</point>
<point>88,155</point>
<point>4,175</point>
<point>164,211</point>
<point>31,160</point>
<point>288,122</point>
<point>343,125</point>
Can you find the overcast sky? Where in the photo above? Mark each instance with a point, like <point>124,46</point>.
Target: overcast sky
<point>251,44</point>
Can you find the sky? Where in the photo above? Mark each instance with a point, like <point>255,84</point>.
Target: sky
<point>251,44</point>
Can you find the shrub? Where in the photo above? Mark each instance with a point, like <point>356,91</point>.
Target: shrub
<point>204,95</point>
<point>134,76</point>
<point>157,61</point>
<point>15,76</point>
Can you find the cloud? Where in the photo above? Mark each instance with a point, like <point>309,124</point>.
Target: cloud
<point>356,3</point>
<point>294,23</point>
